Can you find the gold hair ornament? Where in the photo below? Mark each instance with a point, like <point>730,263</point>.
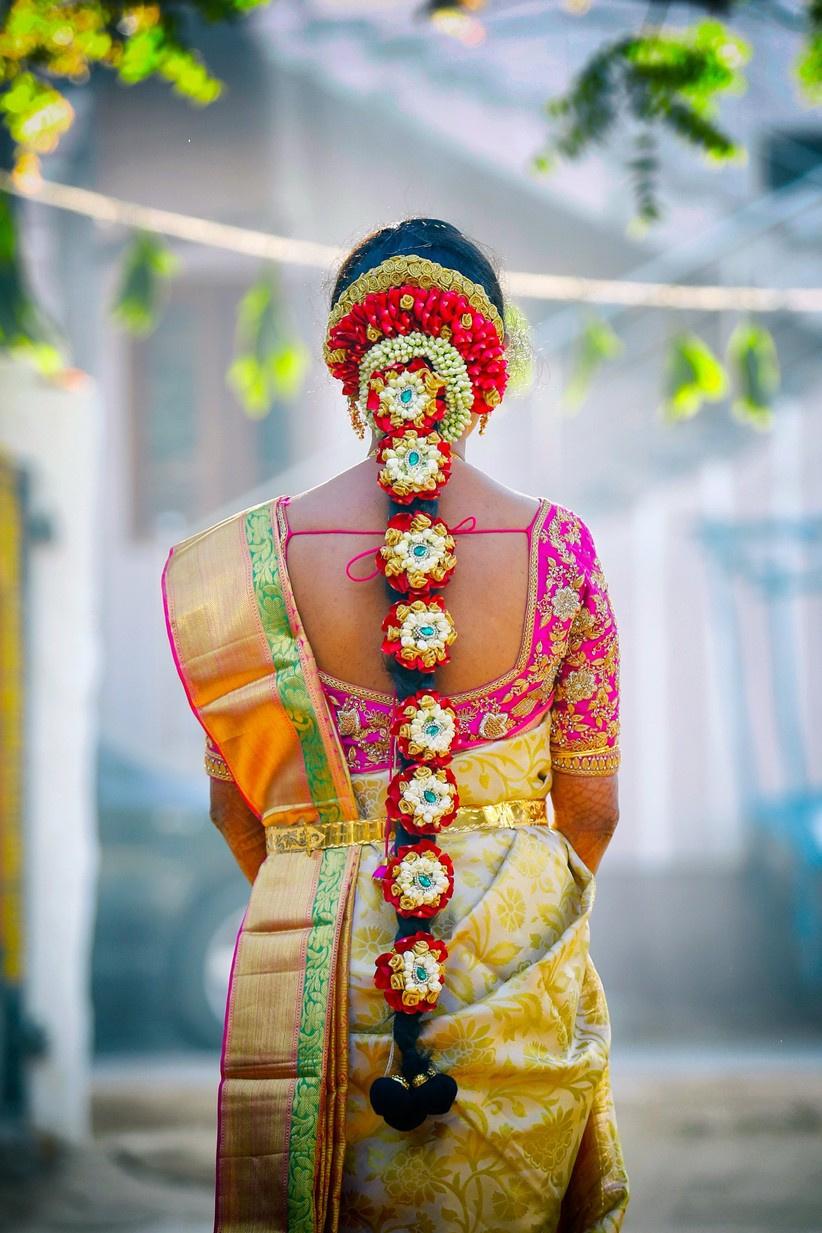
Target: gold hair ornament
<point>418,272</point>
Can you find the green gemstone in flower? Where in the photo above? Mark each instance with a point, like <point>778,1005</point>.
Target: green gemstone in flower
<point>413,458</point>
<point>432,729</point>
<point>420,550</point>
<point>421,974</point>
<point>406,396</point>
<point>425,880</point>
<point>430,796</point>
<point>427,631</point>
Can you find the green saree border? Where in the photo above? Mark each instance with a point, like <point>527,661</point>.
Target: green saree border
<point>290,682</point>
<point>305,1107</point>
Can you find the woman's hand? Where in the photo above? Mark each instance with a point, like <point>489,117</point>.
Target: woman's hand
<point>239,826</point>
<point>586,811</point>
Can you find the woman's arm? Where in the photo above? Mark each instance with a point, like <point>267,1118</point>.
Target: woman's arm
<point>586,811</point>
<point>238,825</point>
<point>585,717</point>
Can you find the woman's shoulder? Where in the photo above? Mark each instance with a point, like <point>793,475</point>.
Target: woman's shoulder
<point>569,537</point>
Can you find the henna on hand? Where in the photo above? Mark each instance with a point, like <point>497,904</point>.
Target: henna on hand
<point>239,826</point>
<point>586,811</point>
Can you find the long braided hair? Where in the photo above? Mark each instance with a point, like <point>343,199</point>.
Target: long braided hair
<point>420,335</point>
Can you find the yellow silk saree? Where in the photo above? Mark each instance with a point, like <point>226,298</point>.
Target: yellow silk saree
<point>531,1142</point>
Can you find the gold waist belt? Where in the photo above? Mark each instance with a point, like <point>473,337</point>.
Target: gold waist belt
<point>311,837</point>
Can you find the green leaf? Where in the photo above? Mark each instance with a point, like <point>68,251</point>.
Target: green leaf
<point>35,114</point>
<point>148,266</point>
<point>23,329</point>
<point>755,366</point>
<point>693,377</point>
<point>287,368</point>
<point>672,79</point>
<point>46,358</point>
<point>597,344</point>
<point>269,363</point>
<point>808,70</point>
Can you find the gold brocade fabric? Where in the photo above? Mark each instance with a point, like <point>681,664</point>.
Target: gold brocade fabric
<point>518,768</point>
<point>531,1144</point>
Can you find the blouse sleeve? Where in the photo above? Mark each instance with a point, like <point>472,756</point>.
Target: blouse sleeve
<point>585,709</point>
<point>214,763</point>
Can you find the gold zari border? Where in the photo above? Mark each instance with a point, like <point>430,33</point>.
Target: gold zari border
<point>585,761</point>
<point>313,838</point>
<point>216,768</point>
<point>419,272</point>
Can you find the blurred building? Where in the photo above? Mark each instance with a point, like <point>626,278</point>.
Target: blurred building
<point>336,118</point>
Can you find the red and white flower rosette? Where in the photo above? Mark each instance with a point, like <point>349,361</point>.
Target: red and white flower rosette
<point>425,727</point>
<point>418,632</point>
<point>423,799</point>
<point>419,880</point>
<point>442,315</point>
<point>418,553</point>
<point>406,396</point>
<point>411,974</point>
<point>413,465</point>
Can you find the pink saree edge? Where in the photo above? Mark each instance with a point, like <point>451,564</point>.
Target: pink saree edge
<point>218,1188</point>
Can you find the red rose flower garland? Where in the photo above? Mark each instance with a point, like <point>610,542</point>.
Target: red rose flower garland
<point>406,310</point>
<point>418,348</point>
<point>418,553</point>
<point>411,974</point>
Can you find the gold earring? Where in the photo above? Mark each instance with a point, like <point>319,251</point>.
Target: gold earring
<point>356,419</point>
<point>483,425</point>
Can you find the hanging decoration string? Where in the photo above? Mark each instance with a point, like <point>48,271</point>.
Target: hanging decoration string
<point>521,284</point>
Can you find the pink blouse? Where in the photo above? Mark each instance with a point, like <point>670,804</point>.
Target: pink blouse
<point>568,664</point>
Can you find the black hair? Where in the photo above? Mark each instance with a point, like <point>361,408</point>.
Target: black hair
<point>426,237</point>
<point>406,1104</point>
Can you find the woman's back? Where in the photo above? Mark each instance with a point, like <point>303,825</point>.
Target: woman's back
<point>487,596</point>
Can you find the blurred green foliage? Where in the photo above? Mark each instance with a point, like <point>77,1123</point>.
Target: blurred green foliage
<point>269,362</point>
<point>663,80</point>
<point>693,376</point>
<point>809,64</point>
<point>148,265</point>
<point>48,43</point>
<point>755,367</point>
<point>23,330</point>
<point>43,42</point>
<point>666,80</point>
<point>597,344</point>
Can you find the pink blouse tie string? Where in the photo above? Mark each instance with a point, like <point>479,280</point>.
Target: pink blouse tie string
<point>466,526</point>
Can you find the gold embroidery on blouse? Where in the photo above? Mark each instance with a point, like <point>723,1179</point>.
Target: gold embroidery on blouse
<point>595,679</point>
<point>586,761</point>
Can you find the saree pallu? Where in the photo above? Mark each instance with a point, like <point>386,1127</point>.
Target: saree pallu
<point>531,1142</point>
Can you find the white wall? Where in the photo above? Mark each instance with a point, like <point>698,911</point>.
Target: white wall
<point>53,433</point>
